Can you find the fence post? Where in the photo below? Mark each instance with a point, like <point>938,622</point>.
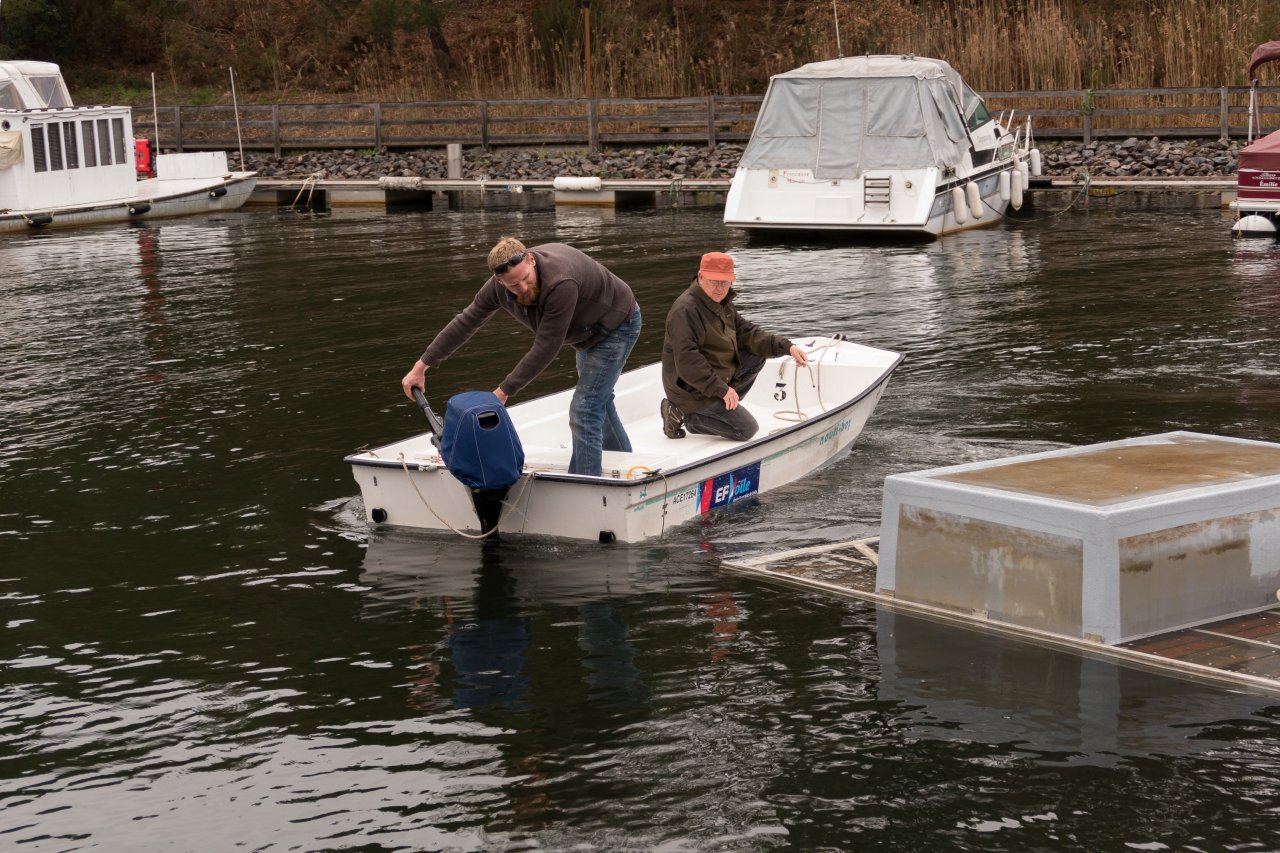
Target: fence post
<point>1223,115</point>
<point>484,125</point>
<point>377,128</point>
<point>1088,116</point>
<point>275,128</point>
<point>711,121</point>
<point>177,128</point>
<point>593,126</point>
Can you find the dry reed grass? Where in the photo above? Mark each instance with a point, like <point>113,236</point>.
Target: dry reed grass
<point>679,47</point>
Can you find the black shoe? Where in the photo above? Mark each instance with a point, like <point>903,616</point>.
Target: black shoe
<point>671,420</point>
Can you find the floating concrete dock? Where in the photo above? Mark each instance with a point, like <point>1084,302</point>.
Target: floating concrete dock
<point>428,193</point>
<point>1161,552</point>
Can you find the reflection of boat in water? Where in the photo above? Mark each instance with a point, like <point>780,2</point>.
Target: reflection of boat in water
<point>809,418</point>
<point>878,144</point>
<point>485,604</point>
<point>1257,202</point>
<point>66,165</point>
<point>405,565</point>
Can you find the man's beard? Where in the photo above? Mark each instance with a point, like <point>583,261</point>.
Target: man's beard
<point>530,296</point>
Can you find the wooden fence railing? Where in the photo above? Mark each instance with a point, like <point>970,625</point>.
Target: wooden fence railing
<point>1214,112</point>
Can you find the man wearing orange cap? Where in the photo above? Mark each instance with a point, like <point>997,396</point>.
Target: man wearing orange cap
<point>711,355</point>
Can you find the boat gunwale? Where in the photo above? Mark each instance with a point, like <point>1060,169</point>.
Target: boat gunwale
<point>355,460</point>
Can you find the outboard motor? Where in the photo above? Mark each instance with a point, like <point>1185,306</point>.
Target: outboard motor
<point>480,447</point>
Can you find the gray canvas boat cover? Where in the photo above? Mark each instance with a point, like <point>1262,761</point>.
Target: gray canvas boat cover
<point>843,117</point>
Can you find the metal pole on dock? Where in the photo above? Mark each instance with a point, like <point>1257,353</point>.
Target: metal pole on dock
<point>235,109</point>
<point>155,111</point>
<point>453,154</point>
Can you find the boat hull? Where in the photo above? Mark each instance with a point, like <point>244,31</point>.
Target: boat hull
<point>1257,202</point>
<point>645,493</point>
<point>920,203</point>
<point>157,199</point>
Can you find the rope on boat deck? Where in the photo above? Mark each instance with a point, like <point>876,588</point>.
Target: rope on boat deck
<point>816,382</point>
<point>526,478</point>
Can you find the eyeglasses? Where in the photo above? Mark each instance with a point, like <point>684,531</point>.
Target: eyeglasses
<point>514,260</point>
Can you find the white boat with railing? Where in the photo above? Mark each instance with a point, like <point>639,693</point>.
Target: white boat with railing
<point>66,165</point>
<point>809,417</point>
<point>878,144</point>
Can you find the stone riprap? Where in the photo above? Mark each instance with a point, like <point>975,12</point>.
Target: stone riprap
<point>1133,157</point>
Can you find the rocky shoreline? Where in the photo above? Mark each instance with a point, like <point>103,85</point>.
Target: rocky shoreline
<point>1130,158</point>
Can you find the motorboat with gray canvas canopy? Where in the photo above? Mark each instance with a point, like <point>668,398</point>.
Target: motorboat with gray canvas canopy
<point>875,143</point>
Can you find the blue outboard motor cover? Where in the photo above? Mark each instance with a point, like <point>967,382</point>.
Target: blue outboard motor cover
<point>479,444</point>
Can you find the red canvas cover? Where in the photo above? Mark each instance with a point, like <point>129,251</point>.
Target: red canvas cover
<point>1258,175</point>
<point>1262,154</point>
<point>1262,54</point>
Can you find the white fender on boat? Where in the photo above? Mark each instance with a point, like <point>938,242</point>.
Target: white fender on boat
<point>1026,175</point>
<point>1035,161</point>
<point>565,183</point>
<point>958,207</point>
<point>1253,225</point>
<point>1015,188</point>
<point>1004,186</point>
<point>974,195</point>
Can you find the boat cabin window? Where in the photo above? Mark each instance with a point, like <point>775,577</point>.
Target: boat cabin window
<point>90,144</point>
<point>51,91</point>
<point>9,99</point>
<point>117,137</point>
<point>58,145</point>
<point>73,148</point>
<point>975,111</point>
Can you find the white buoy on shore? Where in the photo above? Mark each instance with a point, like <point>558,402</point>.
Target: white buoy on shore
<point>576,184</point>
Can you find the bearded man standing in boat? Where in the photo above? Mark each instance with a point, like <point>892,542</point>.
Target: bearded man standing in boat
<point>711,356</point>
<point>564,297</point>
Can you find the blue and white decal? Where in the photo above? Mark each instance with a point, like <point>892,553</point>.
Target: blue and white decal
<point>727,488</point>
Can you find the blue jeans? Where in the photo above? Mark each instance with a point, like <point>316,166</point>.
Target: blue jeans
<point>593,418</point>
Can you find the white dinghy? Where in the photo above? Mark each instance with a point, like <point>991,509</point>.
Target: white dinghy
<point>66,165</point>
<point>809,417</point>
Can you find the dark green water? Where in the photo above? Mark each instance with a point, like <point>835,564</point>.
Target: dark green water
<point>205,649</point>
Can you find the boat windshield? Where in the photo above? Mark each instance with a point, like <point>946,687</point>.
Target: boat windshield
<point>975,111</point>
<point>9,99</point>
<point>51,91</point>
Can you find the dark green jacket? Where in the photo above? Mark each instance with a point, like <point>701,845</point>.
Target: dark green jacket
<point>700,351</point>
